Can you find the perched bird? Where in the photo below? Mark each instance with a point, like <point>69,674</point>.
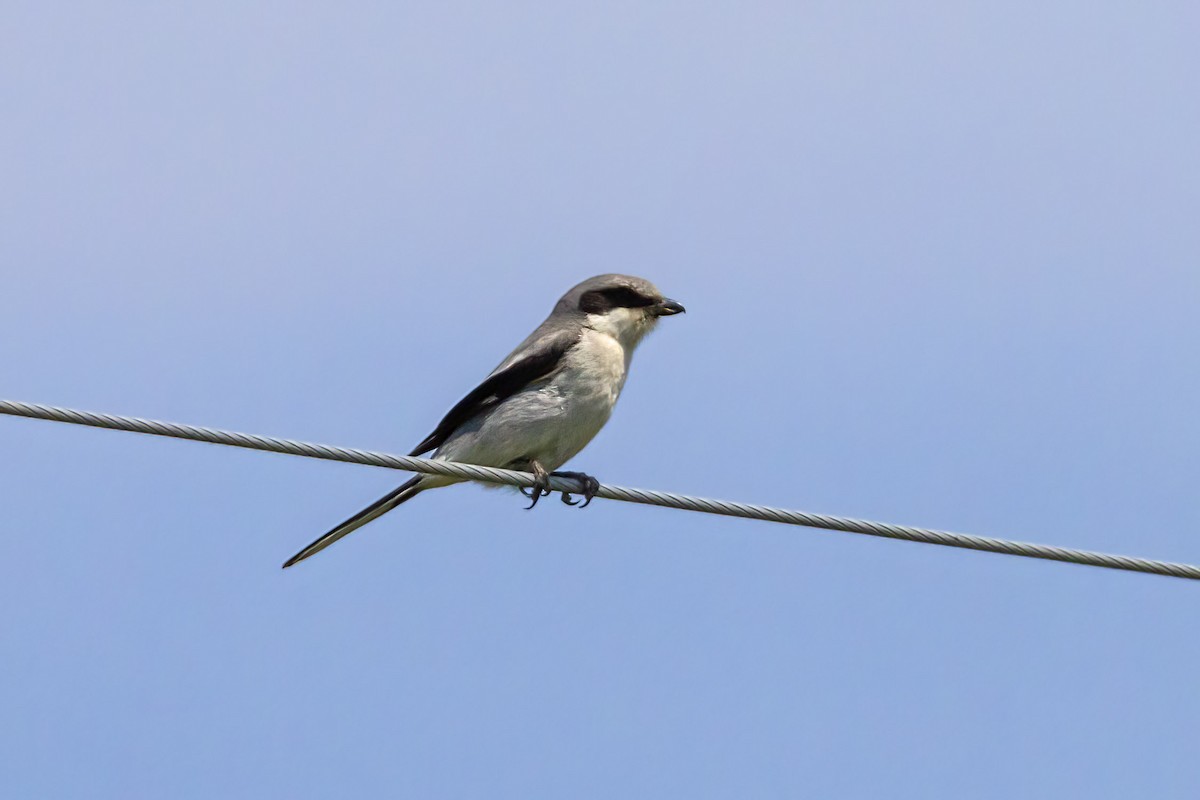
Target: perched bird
<point>544,402</point>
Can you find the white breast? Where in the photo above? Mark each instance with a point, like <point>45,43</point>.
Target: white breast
<point>550,421</point>
<point>588,384</point>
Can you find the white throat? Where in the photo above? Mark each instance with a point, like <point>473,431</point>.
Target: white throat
<point>628,326</point>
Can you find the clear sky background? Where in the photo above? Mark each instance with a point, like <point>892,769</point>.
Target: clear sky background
<point>942,267</point>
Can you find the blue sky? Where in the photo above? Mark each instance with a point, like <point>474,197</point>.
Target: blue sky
<point>941,264</point>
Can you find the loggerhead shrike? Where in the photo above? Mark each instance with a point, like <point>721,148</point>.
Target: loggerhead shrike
<point>545,402</point>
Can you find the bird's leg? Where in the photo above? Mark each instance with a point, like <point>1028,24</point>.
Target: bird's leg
<point>541,484</point>
<point>590,487</point>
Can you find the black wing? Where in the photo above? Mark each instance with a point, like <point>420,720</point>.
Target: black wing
<point>526,365</point>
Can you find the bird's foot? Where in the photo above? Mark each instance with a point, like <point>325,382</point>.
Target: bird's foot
<point>541,484</point>
<point>590,487</point>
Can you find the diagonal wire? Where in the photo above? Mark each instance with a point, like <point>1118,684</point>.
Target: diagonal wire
<point>644,496</point>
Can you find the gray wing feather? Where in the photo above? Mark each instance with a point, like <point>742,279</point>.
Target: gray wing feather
<point>535,358</point>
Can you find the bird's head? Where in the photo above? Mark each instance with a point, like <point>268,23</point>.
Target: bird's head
<point>624,306</point>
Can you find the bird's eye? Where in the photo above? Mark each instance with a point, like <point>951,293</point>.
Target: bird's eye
<point>628,298</point>
<point>598,301</point>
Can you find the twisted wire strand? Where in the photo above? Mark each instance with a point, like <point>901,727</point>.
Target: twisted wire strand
<point>644,496</point>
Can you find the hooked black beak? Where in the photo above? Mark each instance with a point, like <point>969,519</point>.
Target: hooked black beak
<point>667,308</point>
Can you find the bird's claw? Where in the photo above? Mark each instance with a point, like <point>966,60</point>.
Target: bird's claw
<point>590,487</point>
<point>534,494</point>
<point>541,485</point>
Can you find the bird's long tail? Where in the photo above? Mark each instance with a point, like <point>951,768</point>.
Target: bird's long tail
<point>377,509</point>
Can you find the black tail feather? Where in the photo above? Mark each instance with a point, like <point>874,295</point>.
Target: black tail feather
<point>377,509</point>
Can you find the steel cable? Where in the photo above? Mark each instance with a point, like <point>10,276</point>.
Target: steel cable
<point>644,496</point>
